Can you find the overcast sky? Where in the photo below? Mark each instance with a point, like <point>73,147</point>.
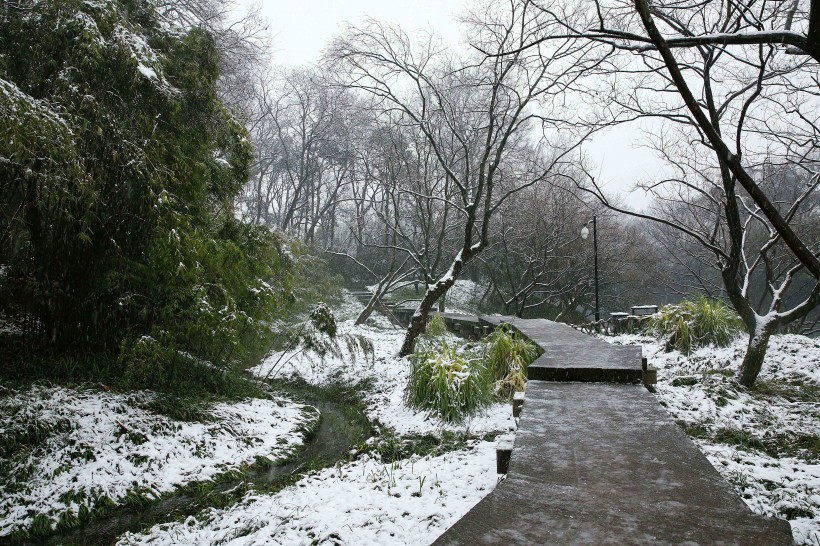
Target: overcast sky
<point>300,29</point>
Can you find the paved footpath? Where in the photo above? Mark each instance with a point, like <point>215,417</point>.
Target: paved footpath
<point>597,460</point>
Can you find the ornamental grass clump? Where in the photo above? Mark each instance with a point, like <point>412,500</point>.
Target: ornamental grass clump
<point>451,385</point>
<point>692,324</point>
<point>436,327</point>
<point>506,357</point>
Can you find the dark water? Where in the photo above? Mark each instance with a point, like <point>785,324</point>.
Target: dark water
<point>342,426</point>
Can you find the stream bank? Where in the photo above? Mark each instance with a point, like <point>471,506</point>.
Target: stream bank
<point>342,427</point>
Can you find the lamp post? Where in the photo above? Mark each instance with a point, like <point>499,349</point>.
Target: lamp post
<point>584,235</point>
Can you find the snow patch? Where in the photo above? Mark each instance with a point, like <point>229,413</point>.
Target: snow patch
<point>365,502</point>
<point>700,391</point>
<point>98,444</point>
<point>387,373</point>
<point>146,71</point>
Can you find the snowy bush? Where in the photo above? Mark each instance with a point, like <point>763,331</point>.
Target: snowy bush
<point>506,357</point>
<point>322,318</point>
<point>450,385</point>
<point>692,324</point>
<point>145,362</point>
<point>436,326</point>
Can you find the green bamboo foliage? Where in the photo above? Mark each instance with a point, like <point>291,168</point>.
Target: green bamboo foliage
<point>507,356</point>
<point>436,327</point>
<point>692,324</point>
<point>451,385</point>
<point>121,169</point>
<point>456,384</point>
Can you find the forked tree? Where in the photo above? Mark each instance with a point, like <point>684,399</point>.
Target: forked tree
<point>475,112</point>
<point>720,76</point>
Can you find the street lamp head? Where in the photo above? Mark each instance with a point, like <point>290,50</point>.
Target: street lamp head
<point>584,232</point>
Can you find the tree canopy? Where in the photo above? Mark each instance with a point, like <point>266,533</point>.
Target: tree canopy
<point>118,170</point>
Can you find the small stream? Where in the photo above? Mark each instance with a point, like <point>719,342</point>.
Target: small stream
<point>343,425</point>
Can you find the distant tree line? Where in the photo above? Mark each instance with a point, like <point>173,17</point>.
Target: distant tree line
<point>156,173</point>
<point>430,165</point>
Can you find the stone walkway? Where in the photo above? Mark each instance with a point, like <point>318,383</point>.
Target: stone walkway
<point>597,460</point>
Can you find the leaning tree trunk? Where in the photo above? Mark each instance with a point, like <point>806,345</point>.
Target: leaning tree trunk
<point>753,359</point>
<point>419,320</point>
<point>374,304</point>
<point>385,283</point>
<point>368,309</point>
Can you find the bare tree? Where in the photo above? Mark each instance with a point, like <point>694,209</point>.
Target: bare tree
<point>475,113</point>
<point>539,264</point>
<point>536,260</point>
<point>730,155</point>
<point>240,36</point>
<point>731,90</point>
<point>303,134</point>
<point>766,285</point>
<point>709,29</point>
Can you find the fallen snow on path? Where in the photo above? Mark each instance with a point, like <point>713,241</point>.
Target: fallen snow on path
<point>96,444</point>
<point>741,431</point>
<point>365,502</point>
<point>386,373</point>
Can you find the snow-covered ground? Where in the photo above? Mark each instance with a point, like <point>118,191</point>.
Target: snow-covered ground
<point>386,374</point>
<point>95,445</point>
<point>365,502</point>
<point>754,438</point>
<point>462,297</point>
<point>101,443</point>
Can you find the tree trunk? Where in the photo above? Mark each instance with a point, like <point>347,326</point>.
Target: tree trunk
<point>376,303</point>
<point>813,34</point>
<point>753,360</point>
<point>368,310</point>
<point>725,155</point>
<point>419,320</point>
<point>521,307</point>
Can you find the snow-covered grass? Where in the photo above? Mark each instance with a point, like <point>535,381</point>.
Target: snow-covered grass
<point>364,502</point>
<point>765,441</point>
<point>385,375</point>
<point>66,452</point>
<point>463,297</point>
<point>90,447</point>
